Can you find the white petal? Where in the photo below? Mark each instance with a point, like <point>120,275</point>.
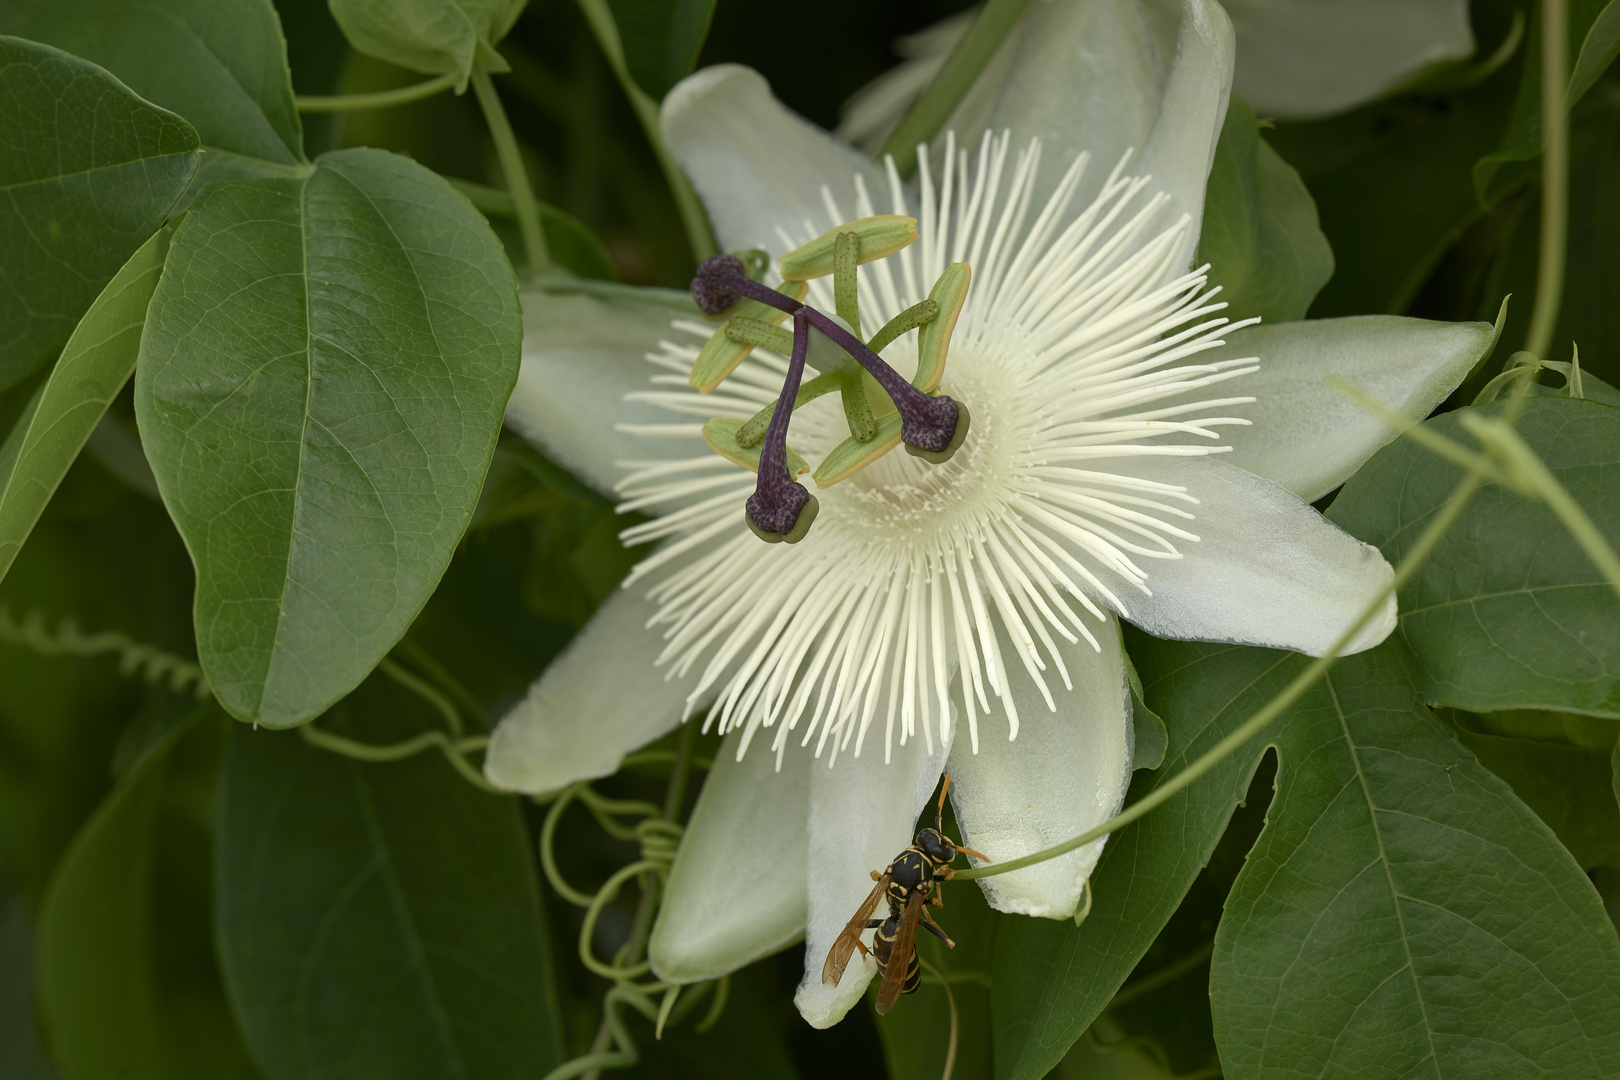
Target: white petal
<point>1112,76</point>
<point>1309,58</point>
<point>581,355</point>
<point>863,813</point>
<point>1065,773</point>
<point>1306,435</point>
<point>595,703</point>
<point>749,815</point>
<point>757,165</point>
<point>1267,568</point>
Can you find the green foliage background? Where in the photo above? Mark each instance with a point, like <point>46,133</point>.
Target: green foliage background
<point>182,896</point>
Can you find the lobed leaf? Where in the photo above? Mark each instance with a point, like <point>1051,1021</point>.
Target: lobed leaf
<point>379,920</point>
<point>320,389</point>
<point>1508,613</point>
<point>88,171</point>
<point>431,36</point>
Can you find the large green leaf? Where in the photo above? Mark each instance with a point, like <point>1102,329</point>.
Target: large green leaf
<point>95,365</point>
<point>1508,613</point>
<point>1052,979</point>
<point>379,920</point>
<point>87,172</point>
<point>661,39</point>
<point>127,981</point>
<point>320,389</point>
<point>1402,913</point>
<point>1260,234</point>
<point>221,64</point>
<point>432,36</point>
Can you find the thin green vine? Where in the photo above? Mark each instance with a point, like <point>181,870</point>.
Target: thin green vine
<point>150,663</point>
<point>380,99</point>
<point>517,174</point>
<point>1554,177</point>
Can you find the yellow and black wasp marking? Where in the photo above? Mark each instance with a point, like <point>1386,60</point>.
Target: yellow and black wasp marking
<point>910,883</point>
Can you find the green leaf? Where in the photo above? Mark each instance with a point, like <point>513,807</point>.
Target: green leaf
<point>1508,613</point>
<point>431,36</point>
<point>87,172</point>
<point>127,981</point>
<point>1402,913</point>
<point>1569,787</point>
<point>1260,235</point>
<point>1494,175</point>
<point>320,389</point>
<point>661,39</point>
<point>379,920</point>
<point>1598,50</point>
<point>1052,979</point>
<point>221,64</point>
<point>95,365</point>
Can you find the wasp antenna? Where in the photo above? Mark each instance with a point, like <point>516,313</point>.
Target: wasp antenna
<point>939,811</point>
<point>976,854</point>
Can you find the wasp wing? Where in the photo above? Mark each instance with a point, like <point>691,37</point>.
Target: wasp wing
<point>899,962</point>
<point>843,947</point>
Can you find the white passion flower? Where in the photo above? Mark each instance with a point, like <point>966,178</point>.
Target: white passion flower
<point>957,615</point>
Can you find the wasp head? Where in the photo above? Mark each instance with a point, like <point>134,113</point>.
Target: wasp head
<point>935,845</point>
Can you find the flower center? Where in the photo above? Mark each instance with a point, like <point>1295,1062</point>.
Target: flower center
<point>881,407</point>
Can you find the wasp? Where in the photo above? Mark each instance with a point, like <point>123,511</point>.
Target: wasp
<point>910,884</point>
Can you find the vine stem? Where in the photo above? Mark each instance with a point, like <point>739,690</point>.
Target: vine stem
<point>695,221</point>
<point>1554,177</point>
<point>381,99</point>
<point>517,176</point>
<point>950,998</point>
<point>1274,708</point>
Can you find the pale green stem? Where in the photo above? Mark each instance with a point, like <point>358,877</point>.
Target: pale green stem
<point>950,998</point>
<point>452,750</point>
<point>1554,177</point>
<point>380,99</point>
<point>452,718</point>
<point>1272,709</point>
<point>517,176</point>
<point>693,218</point>
<point>966,62</point>
<point>1163,977</point>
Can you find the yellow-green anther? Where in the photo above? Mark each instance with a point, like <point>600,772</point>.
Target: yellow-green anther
<point>914,316</point>
<point>851,456</point>
<point>721,435</point>
<point>750,434</point>
<point>846,294</point>
<point>934,341</point>
<point>857,411</point>
<point>880,236</point>
<point>721,354</point>
<point>763,334</point>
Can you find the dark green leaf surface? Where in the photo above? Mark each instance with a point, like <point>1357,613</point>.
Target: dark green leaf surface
<point>1052,978</point>
<point>1402,913</point>
<point>87,172</point>
<point>661,39</point>
<point>320,389</point>
<point>127,982</point>
<point>379,920</point>
<point>97,361</point>
<point>1260,234</point>
<point>431,36</point>
<point>1508,613</point>
<point>221,64</point>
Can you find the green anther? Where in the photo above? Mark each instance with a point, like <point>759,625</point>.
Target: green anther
<point>857,412</point>
<point>950,293</point>
<point>721,435</point>
<point>880,236</point>
<point>751,433</point>
<point>846,294</point>
<point>914,316</point>
<point>851,456</point>
<point>753,332</point>
<point>721,355</point>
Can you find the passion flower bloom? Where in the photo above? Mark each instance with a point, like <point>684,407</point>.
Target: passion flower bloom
<point>1131,453</point>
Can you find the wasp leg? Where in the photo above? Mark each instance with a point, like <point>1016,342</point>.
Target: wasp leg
<point>873,924</point>
<point>937,930</point>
